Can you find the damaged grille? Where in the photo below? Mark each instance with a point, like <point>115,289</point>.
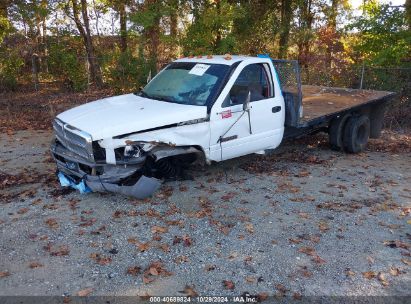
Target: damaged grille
<point>73,139</point>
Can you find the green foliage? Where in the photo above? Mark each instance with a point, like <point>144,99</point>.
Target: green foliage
<point>10,66</point>
<point>66,64</point>
<point>383,36</point>
<point>124,72</point>
<point>5,28</point>
<point>210,32</point>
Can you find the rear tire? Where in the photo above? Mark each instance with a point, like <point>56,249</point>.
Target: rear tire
<point>336,132</point>
<point>356,134</point>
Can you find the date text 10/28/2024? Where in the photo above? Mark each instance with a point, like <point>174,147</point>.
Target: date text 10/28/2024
<point>204,299</point>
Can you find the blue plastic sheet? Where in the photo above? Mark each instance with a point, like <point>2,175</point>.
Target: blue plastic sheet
<point>66,181</point>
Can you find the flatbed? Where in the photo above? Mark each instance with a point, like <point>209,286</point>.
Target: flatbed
<point>320,102</point>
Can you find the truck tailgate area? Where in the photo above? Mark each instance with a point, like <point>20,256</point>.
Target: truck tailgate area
<point>320,102</point>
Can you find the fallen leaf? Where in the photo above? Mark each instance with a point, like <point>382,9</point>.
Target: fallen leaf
<point>180,259</point>
<point>396,244</point>
<point>319,260</point>
<point>294,241</point>
<point>85,292</point>
<point>146,297</point>
<point>323,226</point>
<point>281,289</point>
<point>183,188</point>
<point>147,280</point>
<point>134,271</point>
<point>4,274</point>
<point>307,250</point>
<point>52,223</point>
<point>303,174</point>
<point>104,261</point>
<point>35,265</point>
<point>22,210</point>
<point>187,241</point>
<point>101,260</point>
<point>297,296</point>
<point>228,196</point>
<point>370,260</point>
<point>228,284</point>
<point>190,291</point>
<point>164,247</point>
<point>349,272</point>
<point>209,267</point>
<point>394,271</point>
<point>159,229</point>
<point>143,246</point>
<point>249,227</point>
<point>369,275</point>
<point>153,271</point>
<point>382,279</point>
<point>132,240</point>
<point>262,296</point>
<point>304,215</point>
<point>406,261</point>
<point>60,251</point>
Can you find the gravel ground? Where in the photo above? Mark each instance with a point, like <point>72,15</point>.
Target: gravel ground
<point>302,221</point>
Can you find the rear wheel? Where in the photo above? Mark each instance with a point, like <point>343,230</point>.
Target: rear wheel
<point>336,132</point>
<point>356,134</point>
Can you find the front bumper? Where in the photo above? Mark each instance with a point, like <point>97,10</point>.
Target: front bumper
<point>126,180</point>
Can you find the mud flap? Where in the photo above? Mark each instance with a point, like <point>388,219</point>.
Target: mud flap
<point>143,188</point>
<point>66,181</point>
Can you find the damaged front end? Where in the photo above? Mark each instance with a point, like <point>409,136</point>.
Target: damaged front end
<point>133,168</point>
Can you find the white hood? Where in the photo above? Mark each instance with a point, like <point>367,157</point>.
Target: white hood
<point>128,113</point>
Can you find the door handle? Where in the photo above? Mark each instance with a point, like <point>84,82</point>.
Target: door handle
<point>276,109</point>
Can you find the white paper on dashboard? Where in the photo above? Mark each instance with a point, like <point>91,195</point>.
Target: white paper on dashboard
<point>199,69</point>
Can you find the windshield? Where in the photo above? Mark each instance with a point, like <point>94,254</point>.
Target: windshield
<point>187,83</point>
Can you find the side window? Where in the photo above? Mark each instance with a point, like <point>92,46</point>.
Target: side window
<point>254,78</point>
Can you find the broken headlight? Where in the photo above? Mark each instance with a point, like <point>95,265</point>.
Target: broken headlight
<point>129,154</point>
<point>133,151</point>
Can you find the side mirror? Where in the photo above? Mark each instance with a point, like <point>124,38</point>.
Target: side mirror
<point>246,104</point>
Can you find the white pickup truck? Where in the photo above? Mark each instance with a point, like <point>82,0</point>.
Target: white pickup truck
<point>204,109</point>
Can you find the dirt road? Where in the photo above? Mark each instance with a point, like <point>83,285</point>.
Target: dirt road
<point>303,221</point>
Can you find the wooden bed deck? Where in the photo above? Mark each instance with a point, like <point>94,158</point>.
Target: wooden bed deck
<point>321,101</point>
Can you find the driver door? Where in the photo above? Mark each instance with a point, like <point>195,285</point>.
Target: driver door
<point>235,132</point>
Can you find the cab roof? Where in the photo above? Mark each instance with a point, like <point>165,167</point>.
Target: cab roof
<point>216,59</point>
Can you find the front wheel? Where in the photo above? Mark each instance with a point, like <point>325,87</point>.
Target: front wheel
<point>356,134</point>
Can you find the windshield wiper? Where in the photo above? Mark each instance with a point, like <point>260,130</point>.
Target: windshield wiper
<point>143,94</point>
<point>161,98</point>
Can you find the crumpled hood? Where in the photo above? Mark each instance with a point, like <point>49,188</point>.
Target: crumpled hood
<point>128,113</point>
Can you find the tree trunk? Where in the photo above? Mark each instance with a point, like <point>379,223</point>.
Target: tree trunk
<point>152,35</point>
<point>123,26</point>
<point>218,30</point>
<point>174,28</point>
<point>38,36</point>
<point>408,12</point>
<point>3,8</point>
<point>44,38</point>
<point>286,14</point>
<point>332,25</point>
<point>307,21</point>
<point>94,68</point>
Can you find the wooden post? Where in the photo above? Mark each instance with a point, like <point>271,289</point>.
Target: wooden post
<point>34,70</point>
<point>362,74</point>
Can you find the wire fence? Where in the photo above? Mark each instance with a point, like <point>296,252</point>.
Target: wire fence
<point>125,72</point>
